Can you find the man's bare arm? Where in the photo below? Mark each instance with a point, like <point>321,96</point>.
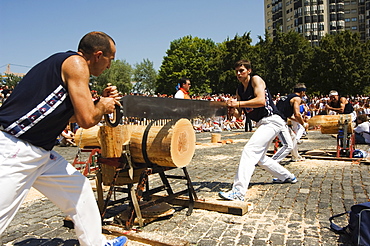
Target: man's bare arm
<point>75,74</point>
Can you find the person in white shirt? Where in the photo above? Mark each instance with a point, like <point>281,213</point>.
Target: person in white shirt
<point>362,130</point>
<point>184,87</point>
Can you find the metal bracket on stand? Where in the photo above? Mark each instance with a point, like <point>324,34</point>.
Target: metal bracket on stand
<point>345,140</point>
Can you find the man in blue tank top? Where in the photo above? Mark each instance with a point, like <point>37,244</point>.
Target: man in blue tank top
<point>254,97</point>
<point>61,94</point>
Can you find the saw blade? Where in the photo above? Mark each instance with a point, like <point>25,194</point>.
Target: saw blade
<point>170,108</point>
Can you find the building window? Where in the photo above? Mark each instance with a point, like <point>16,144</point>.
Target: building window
<point>354,19</point>
<point>354,28</point>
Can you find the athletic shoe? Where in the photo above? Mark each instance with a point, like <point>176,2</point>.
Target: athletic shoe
<point>232,195</point>
<point>300,158</point>
<point>288,180</point>
<point>118,241</point>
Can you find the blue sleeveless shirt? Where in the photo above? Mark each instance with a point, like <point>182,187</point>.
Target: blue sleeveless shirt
<point>257,114</point>
<point>39,107</point>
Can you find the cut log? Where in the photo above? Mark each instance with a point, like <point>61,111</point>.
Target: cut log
<point>171,145</point>
<point>330,124</point>
<point>215,137</point>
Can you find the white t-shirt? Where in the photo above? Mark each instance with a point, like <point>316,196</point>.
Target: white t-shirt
<point>364,127</point>
<point>180,94</point>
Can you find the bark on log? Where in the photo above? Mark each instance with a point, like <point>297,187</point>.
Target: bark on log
<point>171,145</point>
<point>330,124</point>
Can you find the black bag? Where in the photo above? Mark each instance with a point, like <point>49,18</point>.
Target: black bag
<point>358,228</point>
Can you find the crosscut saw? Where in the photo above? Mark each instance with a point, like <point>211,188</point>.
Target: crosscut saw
<point>164,108</point>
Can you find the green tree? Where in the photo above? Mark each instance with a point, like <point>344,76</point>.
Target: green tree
<point>341,62</point>
<point>231,50</point>
<point>365,69</point>
<point>119,74</point>
<point>145,77</point>
<point>11,80</point>
<point>287,58</point>
<point>187,57</point>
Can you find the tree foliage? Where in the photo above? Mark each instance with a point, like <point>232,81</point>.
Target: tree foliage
<point>119,74</point>
<point>187,57</point>
<point>232,50</point>
<point>341,62</point>
<point>286,59</point>
<point>145,77</point>
<point>11,80</point>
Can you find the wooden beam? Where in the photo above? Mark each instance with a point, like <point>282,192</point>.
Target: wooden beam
<point>144,237</point>
<point>212,204</point>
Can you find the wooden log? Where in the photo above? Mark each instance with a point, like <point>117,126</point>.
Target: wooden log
<point>111,140</point>
<point>215,137</point>
<point>171,145</point>
<point>330,124</point>
<point>87,137</point>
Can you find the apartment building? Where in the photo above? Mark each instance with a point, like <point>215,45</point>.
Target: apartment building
<point>314,18</point>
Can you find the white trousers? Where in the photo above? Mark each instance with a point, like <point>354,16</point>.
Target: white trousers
<point>254,152</point>
<point>298,129</point>
<point>289,144</point>
<point>22,165</point>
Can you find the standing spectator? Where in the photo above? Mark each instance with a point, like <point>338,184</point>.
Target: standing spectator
<point>254,96</point>
<point>30,126</point>
<point>6,92</point>
<point>183,89</point>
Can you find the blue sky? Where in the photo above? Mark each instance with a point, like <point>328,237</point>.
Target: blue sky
<point>32,30</point>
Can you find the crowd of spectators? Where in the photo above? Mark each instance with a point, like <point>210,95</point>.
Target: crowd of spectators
<point>5,92</point>
<point>236,119</point>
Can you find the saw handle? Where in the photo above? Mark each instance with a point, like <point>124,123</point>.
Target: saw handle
<point>117,117</point>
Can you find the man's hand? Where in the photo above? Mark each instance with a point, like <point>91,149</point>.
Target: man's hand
<point>233,103</point>
<point>107,104</point>
<point>112,92</point>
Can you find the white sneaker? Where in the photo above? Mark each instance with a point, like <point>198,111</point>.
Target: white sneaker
<point>232,195</point>
<point>300,158</point>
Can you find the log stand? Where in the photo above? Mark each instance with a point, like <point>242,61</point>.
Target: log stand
<point>89,165</point>
<point>140,198</point>
<point>345,139</point>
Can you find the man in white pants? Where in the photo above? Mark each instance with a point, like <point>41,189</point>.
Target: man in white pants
<point>254,97</point>
<point>59,86</point>
<point>289,108</point>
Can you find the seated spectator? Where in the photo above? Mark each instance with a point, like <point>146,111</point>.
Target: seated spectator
<point>67,138</point>
<point>362,130</point>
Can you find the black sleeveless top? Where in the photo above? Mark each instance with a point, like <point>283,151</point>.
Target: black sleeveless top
<point>348,108</point>
<point>283,105</point>
<point>39,108</point>
<point>257,114</point>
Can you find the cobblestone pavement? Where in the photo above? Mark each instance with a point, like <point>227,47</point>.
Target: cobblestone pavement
<point>283,214</point>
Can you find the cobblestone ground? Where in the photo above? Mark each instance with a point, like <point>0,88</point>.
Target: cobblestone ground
<point>283,214</point>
